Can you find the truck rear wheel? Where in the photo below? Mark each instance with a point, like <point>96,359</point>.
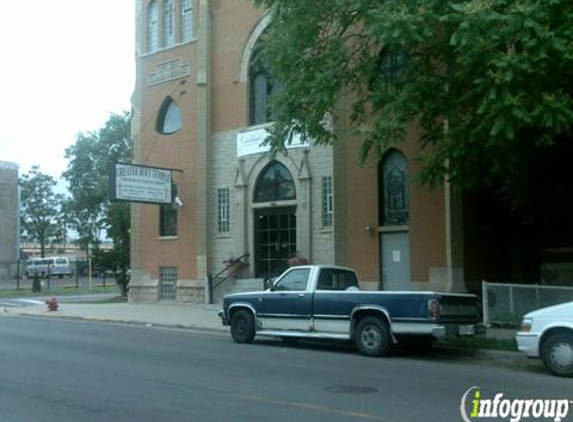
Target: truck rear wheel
<point>242,327</point>
<point>372,337</point>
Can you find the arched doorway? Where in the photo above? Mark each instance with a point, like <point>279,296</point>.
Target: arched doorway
<point>274,220</point>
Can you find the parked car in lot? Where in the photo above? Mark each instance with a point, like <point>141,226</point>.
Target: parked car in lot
<point>548,334</point>
<point>325,302</point>
<point>56,266</point>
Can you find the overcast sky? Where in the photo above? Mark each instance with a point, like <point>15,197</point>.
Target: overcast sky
<point>66,65</point>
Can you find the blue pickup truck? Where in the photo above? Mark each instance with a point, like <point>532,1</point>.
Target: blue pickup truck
<point>325,302</point>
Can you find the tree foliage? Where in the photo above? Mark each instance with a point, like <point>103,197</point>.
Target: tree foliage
<point>40,208</point>
<point>89,207</point>
<point>488,81</point>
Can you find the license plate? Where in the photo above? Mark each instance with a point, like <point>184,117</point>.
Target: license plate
<point>467,330</point>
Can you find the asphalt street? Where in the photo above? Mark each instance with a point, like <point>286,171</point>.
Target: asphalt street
<point>70,371</point>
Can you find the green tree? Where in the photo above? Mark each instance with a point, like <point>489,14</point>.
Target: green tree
<point>488,82</point>
<point>40,207</point>
<point>89,207</point>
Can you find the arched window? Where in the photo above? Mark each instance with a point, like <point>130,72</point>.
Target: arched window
<point>152,27</point>
<point>168,23</point>
<point>169,118</point>
<point>187,28</point>
<point>261,88</point>
<point>275,183</point>
<point>393,192</point>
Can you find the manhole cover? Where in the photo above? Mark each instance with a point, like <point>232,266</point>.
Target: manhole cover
<point>349,389</point>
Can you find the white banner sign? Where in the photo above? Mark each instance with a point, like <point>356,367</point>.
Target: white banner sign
<point>249,142</point>
<point>134,183</point>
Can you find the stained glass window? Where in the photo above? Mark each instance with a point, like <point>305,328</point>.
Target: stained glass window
<point>261,88</point>
<point>275,183</point>
<point>393,183</point>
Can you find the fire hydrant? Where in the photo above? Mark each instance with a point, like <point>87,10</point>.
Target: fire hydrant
<point>52,304</point>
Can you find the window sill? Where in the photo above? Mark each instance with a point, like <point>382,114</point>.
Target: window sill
<point>171,47</point>
<point>223,236</point>
<point>168,238</point>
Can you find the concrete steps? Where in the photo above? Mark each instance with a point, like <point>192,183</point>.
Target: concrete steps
<point>240,285</point>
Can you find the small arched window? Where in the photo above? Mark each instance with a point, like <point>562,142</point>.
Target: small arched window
<point>152,27</point>
<point>169,118</point>
<point>393,192</point>
<point>261,88</point>
<point>275,183</point>
<point>168,23</point>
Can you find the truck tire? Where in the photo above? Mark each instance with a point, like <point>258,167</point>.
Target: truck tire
<point>372,337</point>
<point>242,327</point>
<point>557,354</point>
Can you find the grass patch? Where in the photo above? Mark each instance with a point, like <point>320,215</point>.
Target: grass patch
<point>479,342</point>
<point>59,291</point>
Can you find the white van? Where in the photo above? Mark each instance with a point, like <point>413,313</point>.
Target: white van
<point>56,266</point>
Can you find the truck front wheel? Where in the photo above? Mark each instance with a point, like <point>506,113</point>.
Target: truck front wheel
<point>242,327</point>
<point>372,337</point>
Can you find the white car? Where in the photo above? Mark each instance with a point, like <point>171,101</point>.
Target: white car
<point>548,333</point>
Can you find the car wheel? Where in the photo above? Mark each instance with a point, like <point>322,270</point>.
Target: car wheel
<point>242,327</point>
<point>372,337</point>
<point>557,354</point>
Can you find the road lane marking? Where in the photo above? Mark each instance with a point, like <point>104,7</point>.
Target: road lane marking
<point>309,406</point>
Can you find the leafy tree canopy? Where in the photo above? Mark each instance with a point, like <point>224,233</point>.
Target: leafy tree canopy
<point>40,208</point>
<point>488,81</point>
<point>89,207</point>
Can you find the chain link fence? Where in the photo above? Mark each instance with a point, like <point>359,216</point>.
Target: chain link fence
<point>10,274</point>
<point>505,304</point>
<point>13,276</point>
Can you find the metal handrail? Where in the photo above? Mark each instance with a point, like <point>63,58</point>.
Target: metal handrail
<point>217,276</point>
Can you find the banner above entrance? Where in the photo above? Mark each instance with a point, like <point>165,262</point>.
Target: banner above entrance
<point>249,142</point>
<point>136,183</point>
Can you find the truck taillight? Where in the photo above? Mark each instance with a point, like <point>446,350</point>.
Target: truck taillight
<point>434,308</point>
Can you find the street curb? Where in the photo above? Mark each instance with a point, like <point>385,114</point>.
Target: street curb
<point>120,322</point>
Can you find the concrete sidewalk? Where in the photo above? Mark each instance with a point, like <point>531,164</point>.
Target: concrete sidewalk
<point>191,316</point>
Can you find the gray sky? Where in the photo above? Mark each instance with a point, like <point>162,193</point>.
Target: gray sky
<point>66,65</point>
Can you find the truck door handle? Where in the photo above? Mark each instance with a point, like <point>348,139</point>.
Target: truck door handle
<point>301,295</point>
